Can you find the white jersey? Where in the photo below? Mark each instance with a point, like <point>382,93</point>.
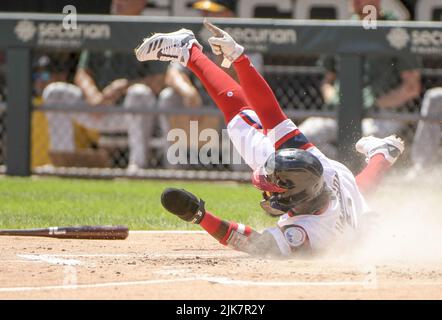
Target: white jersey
<point>338,223</point>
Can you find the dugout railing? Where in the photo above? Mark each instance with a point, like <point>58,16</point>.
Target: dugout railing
<point>290,49</point>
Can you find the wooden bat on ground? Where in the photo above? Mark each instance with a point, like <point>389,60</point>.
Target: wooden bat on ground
<point>76,232</point>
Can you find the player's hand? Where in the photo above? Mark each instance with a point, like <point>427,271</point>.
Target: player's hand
<point>328,93</point>
<point>95,100</point>
<point>223,43</point>
<point>115,90</point>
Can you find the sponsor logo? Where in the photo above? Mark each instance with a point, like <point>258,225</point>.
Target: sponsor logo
<point>55,34</point>
<point>426,41</point>
<point>257,39</point>
<point>25,30</point>
<point>421,41</point>
<point>398,38</point>
<point>295,236</point>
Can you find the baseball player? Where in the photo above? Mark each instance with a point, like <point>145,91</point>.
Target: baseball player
<point>318,200</point>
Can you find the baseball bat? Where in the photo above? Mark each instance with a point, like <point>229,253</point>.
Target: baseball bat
<point>75,232</point>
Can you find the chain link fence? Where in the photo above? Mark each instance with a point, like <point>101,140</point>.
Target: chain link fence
<point>65,138</point>
<point>131,132</point>
<point>296,81</point>
<point>124,125</point>
<point>2,109</point>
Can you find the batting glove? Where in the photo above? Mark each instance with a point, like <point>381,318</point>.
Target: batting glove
<point>223,43</point>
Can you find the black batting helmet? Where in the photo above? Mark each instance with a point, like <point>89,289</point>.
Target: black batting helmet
<point>293,181</point>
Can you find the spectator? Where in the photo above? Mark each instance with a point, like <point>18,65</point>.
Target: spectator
<point>426,141</point>
<point>47,69</point>
<point>216,8</point>
<point>109,78</point>
<point>389,83</point>
<point>2,107</point>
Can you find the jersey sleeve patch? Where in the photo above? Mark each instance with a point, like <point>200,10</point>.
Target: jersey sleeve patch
<point>295,236</point>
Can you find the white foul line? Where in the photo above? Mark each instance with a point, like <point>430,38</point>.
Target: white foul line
<point>217,280</point>
<point>128,255</point>
<point>50,259</point>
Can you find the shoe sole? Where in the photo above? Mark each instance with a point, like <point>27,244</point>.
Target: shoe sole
<point>157,35</point>
<point>395,142</point>
<point>390,140</point>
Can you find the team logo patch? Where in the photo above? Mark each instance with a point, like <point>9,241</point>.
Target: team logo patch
<point>295,236</point>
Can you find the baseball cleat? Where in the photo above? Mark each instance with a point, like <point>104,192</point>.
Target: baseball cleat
<point>174,46</point>
<point>391,147</point>
<point>183,204</point>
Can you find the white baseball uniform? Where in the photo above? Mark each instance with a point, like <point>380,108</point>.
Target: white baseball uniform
<point>338,222</point>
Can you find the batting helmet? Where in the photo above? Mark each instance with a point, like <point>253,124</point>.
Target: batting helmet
<point>293,181</point>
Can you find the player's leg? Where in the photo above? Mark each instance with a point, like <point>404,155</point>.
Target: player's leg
<point>428,134</point>
<point>61,128</point>
<point>181,46</point>
<point>381,155</point>
<point>259,93</point>
<point>235,235</point>
<point>242,123</point>
<point>225,92</point>
<point>139,127</point>
<point>282,132</point>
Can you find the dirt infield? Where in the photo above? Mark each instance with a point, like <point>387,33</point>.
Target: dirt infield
<point>171,265</point>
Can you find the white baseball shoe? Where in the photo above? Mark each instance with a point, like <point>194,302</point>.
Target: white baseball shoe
<point>391,147</point>
<point>173,46</point>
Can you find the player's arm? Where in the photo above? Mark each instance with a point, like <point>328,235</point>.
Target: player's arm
<point>84,80</point>
<point>274,242</point>
<point>327,86</point>
<point>257,91</point>
<point>288,241</point>
<point>93,96</point>
<point>115,90</point>
<point>180,83</point>
<point>328,89</point>
<point>410,88</point>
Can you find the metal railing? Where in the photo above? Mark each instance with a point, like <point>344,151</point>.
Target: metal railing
<point>295,85</point>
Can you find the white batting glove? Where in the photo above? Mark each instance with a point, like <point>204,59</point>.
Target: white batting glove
<point>223,43</point>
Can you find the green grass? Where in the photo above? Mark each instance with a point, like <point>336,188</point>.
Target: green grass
<point>42,202</point>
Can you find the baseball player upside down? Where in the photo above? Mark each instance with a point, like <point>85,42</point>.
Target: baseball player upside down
<point>318,200</point>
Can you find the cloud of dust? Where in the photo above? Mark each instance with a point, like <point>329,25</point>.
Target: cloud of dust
<point>408,226</point>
